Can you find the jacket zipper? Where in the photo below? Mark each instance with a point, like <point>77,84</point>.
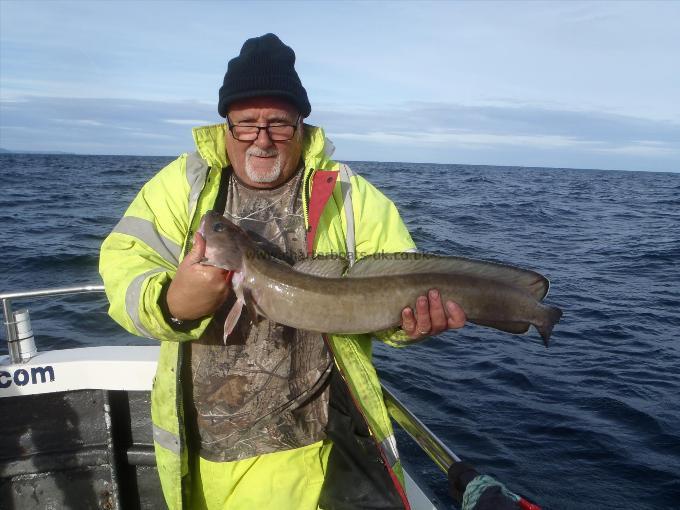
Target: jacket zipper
<point>307,192</point>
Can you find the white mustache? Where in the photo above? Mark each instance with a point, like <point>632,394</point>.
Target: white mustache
<point>262,153</point>
<point>262,175</point>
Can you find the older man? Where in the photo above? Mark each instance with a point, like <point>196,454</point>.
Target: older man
<point>270,416</point>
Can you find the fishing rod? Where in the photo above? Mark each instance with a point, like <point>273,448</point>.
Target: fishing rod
<point>472,490</point>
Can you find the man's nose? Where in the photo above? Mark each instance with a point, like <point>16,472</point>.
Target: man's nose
<point>263,139</point>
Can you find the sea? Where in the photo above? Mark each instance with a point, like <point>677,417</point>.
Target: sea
<point>592,422</point>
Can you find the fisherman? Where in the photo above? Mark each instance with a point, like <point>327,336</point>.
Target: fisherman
<point>270,416</point>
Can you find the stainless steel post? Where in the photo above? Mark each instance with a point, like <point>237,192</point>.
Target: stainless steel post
<point>13,336</point>
<point>25,341</point>
<point>11,331</point>
<point>415,428</point>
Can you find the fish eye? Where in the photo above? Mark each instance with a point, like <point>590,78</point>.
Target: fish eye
<point>220,227</point>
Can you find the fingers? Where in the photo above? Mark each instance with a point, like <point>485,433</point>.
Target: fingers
<point>408,322</point>
<point>197,251</point>
<point>417,325</point>
<point>456,318</point>
<point>431,317</point>
<point>437,314</point>
<point>423,324</point>
<point>197,290</point>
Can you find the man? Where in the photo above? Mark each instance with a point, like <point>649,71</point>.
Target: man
<point>269,417</point>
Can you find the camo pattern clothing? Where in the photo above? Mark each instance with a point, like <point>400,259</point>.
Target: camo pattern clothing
<point>264,389</point>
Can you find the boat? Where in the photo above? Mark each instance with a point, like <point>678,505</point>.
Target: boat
<point>76,423</point>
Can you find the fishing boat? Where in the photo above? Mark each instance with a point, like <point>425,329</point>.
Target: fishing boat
<point>76,423</point>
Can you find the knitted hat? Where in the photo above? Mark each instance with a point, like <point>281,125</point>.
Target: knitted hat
<point>265,67</point>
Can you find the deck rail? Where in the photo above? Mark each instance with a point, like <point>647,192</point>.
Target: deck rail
<point>440,454</point>
<point>14,334</point>
<point>423,436</point>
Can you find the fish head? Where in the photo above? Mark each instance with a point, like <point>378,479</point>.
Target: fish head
<point>226,244</point>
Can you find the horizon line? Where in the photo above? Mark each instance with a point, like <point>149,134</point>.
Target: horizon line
<point>4,151</point>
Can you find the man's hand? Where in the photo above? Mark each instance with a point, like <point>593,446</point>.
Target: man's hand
<point>430,317</point>
<point>197,290</point>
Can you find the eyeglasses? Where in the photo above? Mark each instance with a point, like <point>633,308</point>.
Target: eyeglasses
<point>249,132</point>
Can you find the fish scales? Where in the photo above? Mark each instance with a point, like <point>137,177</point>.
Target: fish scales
<point>494,295</point>
<point>362,305</point>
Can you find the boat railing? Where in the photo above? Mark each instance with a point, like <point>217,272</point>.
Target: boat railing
<point>21,345</point>
<point>440,454</point>
<point>18,330</point>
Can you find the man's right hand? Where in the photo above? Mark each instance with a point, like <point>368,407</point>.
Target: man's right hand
<point>197,290</point>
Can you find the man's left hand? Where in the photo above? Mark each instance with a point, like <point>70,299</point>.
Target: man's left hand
<point>430,317</point>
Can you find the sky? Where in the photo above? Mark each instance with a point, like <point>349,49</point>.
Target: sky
<point>554,84</point>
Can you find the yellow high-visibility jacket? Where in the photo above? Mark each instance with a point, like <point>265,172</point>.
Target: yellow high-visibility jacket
<point>140,257</point>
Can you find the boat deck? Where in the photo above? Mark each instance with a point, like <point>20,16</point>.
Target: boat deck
<point>77,432</point>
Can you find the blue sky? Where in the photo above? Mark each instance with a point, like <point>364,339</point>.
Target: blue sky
<point>559,84</point>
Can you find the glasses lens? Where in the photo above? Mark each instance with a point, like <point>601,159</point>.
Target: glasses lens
<point>245,133</point>
<point>280,133</point>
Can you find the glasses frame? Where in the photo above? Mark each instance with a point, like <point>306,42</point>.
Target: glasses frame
<point>231,127</point>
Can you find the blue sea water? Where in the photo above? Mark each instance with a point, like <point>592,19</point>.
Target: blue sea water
<point>591,422</point>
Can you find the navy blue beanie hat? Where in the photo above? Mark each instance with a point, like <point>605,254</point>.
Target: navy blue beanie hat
<point>265,67</point>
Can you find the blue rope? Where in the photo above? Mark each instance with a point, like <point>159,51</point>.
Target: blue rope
<point>477,486</point>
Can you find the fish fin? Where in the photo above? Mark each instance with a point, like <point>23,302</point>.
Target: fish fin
<point>232,319</point>
<point>325,267</point>
<point>251,306</point>
<point>552,317</point>
<point>210,262</point>
<point>408,263</point>
<point>508,327</point>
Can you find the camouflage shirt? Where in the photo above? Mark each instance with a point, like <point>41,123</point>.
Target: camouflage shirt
<point>266,389</point>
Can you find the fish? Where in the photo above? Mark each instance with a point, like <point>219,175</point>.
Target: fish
<point>322,294</point>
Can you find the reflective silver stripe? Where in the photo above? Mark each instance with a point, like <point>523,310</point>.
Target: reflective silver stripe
<point>145,231</point>
<point>197,171</point>
<point>346,189</point>
<point>389,446</point>
<point>328,148</point>
<point>166,439</point>
<point>134,291</point>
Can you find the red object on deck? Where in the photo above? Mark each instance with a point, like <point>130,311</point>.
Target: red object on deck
<point>527,505</point>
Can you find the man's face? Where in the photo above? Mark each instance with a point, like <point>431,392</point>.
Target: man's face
<point>264,163</point>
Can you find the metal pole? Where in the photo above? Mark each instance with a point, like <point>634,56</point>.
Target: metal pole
<point>431,444</point>
<point>52,292</point>
<point>10,323</point>
<point>11,331</point>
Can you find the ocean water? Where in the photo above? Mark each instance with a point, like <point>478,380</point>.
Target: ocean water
<point>591,422</point>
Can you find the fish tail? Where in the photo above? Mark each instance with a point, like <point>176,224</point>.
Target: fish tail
<point>551,317</point>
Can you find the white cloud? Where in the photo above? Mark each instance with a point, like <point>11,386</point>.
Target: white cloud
<point>468,139</point>
<point>502,134</point>
<point>188,122</point>
<point>481,140</point>
<point>154,136</point>
<point>642,149</point>
<point>79,122</point>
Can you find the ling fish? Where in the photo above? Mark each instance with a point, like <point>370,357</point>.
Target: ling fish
<point>322,295</point>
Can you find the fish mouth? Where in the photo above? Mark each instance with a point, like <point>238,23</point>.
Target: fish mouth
<point>206,217</point>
